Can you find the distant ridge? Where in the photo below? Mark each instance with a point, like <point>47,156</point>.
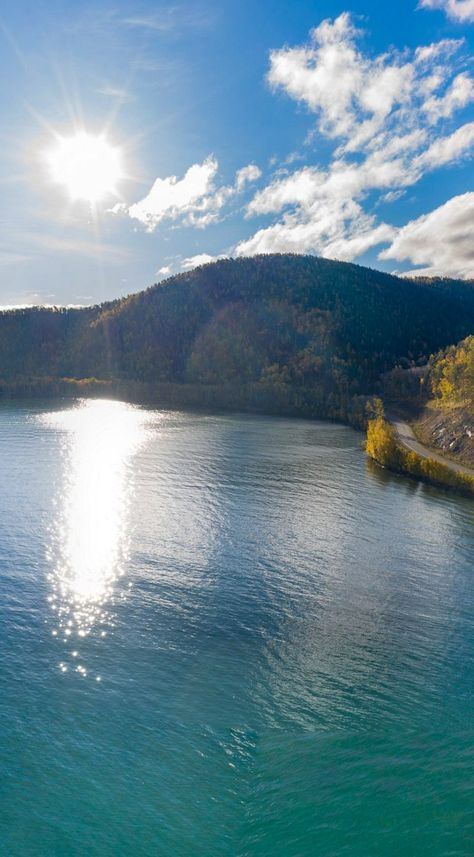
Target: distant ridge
<point>276,322</point>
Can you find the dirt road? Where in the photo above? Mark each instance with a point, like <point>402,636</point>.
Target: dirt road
<point>407,438</point>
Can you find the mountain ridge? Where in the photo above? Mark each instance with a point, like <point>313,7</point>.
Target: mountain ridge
<point>281,322</point>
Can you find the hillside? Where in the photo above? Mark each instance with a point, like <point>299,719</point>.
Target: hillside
<point>438,399</point>
<point>446,421</point>
<point>451,376</point>
<point>278,322</point>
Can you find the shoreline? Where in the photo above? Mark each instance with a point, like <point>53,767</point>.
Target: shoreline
<point>396,448</point>
<point>251,398</point>
<point>407,437</point>
<point>392,444</point>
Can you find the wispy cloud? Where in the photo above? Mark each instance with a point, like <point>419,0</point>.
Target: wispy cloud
<point>247,175</point>
<point>171,19</point>
<point>118,92</point>
<point>458,10</point>
<point>157,23</point>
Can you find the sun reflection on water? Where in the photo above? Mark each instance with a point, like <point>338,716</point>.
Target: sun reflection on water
<point>90,537</point>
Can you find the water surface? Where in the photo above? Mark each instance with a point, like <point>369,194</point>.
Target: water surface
<point>228,635</point>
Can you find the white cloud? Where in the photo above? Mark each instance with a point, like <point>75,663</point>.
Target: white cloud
<point>460,93</point>
<point>458,10</point>
<point>118,92</point>
<point>194,200</point>
<point>195,261</point>
<point>351,94</point>
<point>391,196</point>
<point>325,74</point>
<point>354,96</point>
<point>388,121</point>
<point>349,247</point>
<point>246,175</point>
<point>159,23</point>
<point>172,197</point>
<point>384,115</point>
<point>443,48</point>
<point>448,149</point>
<point>177,16</point>
<point>298,188</point>
<point>338,229</point>
<point>441,240</point>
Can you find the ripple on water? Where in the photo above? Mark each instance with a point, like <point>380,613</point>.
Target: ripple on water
<point>291,671</point>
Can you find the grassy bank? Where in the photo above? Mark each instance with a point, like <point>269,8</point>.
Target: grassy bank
<point>384,448</point>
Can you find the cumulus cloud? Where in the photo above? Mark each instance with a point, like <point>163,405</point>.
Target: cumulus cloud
<point>391,119</point>
<point>172,197</point>
<point>458,10</point>
<point>337,229</point>
<point>355,97</point>
<point>194,199</point>
<point>335,81</point>
<point>387,121</point>
<point>441,240</point>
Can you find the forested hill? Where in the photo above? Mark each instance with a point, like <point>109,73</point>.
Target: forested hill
<point>281,321</point>
<point>451,376</point>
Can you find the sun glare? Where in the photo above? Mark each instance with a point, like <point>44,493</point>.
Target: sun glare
<point>88,166</point>
<point>90,539</point>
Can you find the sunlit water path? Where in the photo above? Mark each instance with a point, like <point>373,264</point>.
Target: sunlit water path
<point>90,533</point>
<point>227,635</point>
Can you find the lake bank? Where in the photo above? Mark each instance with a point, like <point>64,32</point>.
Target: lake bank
<point>257,399</point>
<point>304,402</point>
<point>391,442</point>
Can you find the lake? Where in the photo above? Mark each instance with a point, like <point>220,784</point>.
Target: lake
<point>228,635</point>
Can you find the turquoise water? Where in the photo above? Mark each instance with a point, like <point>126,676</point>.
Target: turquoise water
<point>227,635</point>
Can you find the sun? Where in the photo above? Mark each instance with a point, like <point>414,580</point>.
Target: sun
<point>87,165</point>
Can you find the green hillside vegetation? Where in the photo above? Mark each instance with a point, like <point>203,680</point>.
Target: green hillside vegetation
<point>451,376</point>
<point>284,333</point>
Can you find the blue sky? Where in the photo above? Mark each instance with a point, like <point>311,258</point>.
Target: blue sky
<point>343,129</point>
